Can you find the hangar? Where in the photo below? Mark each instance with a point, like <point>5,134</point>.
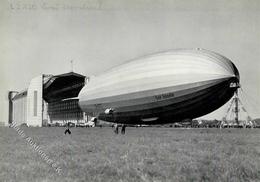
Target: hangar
<point>49,99</point>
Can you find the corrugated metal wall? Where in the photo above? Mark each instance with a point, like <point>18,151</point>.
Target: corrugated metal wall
<point>65,111</point>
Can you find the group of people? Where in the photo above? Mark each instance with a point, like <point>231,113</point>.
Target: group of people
<point>116,128</point>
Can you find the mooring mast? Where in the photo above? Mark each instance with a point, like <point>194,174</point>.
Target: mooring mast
<point>234,109</point>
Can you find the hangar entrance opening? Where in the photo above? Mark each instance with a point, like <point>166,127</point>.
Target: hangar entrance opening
<point>59,94</point>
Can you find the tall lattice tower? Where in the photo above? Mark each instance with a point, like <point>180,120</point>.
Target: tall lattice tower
<point>234,114</point>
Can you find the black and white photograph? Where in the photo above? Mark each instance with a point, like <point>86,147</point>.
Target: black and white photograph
<point>129,90</point>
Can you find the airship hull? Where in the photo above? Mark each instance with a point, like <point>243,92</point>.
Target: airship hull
<point>161,88</point>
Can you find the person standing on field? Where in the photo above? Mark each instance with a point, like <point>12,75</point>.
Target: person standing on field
<point>68,129</point>
<point>116,129</point>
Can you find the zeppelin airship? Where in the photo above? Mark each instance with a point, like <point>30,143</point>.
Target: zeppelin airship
<point>161,88</point>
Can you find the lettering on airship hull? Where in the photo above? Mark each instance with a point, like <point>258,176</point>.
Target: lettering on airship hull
<point>164,96</point>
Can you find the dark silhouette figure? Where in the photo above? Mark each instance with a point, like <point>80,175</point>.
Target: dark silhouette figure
<point>123,129</point>
<point>68,129</point>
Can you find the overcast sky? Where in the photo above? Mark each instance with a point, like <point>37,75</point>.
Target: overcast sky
<point>43,36</point>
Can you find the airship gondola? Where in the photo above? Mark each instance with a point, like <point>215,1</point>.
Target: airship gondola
<point>161,88</point>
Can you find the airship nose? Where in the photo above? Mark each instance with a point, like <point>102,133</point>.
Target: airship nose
<point>235,79</point>
<point>236,73</point>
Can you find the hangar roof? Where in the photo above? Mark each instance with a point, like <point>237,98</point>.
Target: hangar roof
<point>58,87</point>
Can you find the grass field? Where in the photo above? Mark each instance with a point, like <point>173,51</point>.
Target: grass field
<point>143,154</point>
